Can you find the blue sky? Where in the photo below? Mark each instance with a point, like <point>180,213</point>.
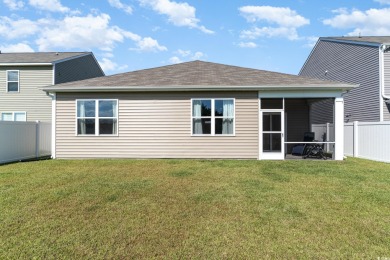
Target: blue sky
<point>128,35</point>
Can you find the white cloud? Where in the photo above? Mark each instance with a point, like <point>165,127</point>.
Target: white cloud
<point>148,44</point>
<point>384,2</point>
<point>186,56</point>
<point>118,4</point>
<point>175,60</point>
<point>247,45</point>
<point>107,55</point>
<point>205,30</point>
<point>89,32</point>
<point>282,16</point>
<point>197,56</point>
<point>189,54</point>
<point>12,29</point>
<point>286,22</point>
<point>283,32</point>
<point>183,53</point>
<point>14,4</point>
<point>311,42</point>
<point>109,65</point>
<point>81,32</point>
<point>179,14</point>
<point>49,5</point>
<point>75,32</point>
<point>18,47</point>
<point>369,22</point>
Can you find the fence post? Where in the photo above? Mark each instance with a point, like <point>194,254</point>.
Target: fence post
<point>327,137</point>
<point>37,141</point>
<point>355,139</point>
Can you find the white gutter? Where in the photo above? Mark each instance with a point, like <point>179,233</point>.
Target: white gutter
<point>383,96</point>
<point>314,87</point>
<point>53,124</point>
<point>53,116</point>
<point>26,64</point>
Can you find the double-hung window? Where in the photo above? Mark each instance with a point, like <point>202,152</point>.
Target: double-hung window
<point>213,116</point>
<point>13,116</point>
<point>12,81</point>
<point>97,117</point>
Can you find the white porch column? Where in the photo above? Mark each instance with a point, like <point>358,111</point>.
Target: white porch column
<point>339,128</point>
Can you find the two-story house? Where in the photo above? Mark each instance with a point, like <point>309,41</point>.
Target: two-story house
<point>22,75</point>
<point>359,60</point>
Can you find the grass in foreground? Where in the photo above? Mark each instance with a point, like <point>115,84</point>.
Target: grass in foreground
<point>194,209</point>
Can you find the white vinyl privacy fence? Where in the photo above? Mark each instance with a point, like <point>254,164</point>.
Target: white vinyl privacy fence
<point>369,140</point>
<point>324,133</point>
<point>24,140</point>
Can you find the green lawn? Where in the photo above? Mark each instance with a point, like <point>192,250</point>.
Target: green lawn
<point>60,209</point>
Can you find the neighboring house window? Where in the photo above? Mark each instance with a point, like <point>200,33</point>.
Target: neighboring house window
<point>13,116</point>
<point>12,81</point>
<point>97,117</point>
<point>213,116</point>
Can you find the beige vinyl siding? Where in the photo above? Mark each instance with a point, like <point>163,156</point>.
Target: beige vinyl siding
<point>157,125</point>
<point>386,108</point>
<point>77,69</point>
<point>29,98</point>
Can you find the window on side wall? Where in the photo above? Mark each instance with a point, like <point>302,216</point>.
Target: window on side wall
<point>13,116</point>
<point>213,116</point>
<point>12,81</point>
<point>97,117</point>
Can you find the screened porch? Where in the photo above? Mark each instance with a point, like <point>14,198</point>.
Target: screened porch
<point>297,128</point>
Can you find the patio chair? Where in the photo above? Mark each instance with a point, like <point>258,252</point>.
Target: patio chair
<point>300,149</point>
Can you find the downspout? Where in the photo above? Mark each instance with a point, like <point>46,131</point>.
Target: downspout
<point>53,124</point>
<point>383,95</point>
<point>53,115</point>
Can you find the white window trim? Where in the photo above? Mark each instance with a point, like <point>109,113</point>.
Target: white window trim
<point>213,117</point>
<point>7,81</point>
<point>13,115</point>
<point>97,117</point>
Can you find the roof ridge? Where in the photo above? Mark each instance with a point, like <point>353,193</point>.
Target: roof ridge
<point>199,73</point>
<point>200,61</point>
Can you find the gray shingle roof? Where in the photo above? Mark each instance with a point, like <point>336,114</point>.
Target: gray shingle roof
<point>368,39</point>
<point>199,73</point>
<point>37,57</point>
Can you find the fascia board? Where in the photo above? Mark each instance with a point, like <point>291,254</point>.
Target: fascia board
<point>340,87</point>
<point>26,64</point>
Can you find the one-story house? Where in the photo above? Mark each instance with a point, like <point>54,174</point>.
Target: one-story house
<point>190,110</point>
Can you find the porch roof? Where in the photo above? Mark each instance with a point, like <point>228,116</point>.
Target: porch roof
<point>198,76</point>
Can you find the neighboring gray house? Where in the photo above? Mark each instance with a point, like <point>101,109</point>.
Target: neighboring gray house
<point>357,60</point>
<point>189,110</point>
<point>23,74</point>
